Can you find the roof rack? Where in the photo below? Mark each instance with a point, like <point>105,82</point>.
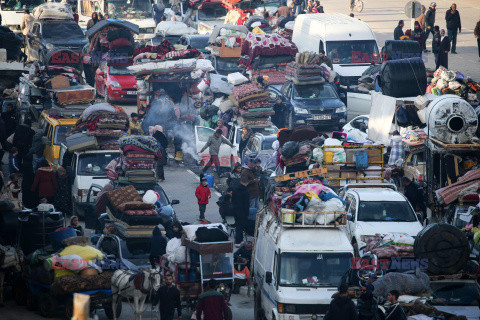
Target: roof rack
<point>291,219</point>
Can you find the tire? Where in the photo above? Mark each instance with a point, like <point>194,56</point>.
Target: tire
<point>109,310</point>
<point>259,313</point>
<point>105,95</point>
<point>359,6</point>
<point>47,305</point>
<point>68,308</point>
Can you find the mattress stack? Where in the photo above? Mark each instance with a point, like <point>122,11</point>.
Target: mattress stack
<point>103,122</point>
<point>126,204</point>
<point>253,105</point>
<point>139,156</point>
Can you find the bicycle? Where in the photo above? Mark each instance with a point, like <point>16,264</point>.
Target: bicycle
<point>357,4</point>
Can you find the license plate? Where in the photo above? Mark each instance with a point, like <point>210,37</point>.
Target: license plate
<point>131,92</point>
<point>322,117</point>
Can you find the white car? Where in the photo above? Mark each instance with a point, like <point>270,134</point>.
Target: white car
<point>360,123</point>
<point>377,208</point>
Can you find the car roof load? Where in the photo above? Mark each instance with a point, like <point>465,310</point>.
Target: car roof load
<point>112,22</point>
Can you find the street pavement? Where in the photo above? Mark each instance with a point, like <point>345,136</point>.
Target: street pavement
<point>382,17</point>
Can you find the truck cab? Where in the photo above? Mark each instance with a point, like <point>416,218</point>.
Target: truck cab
<point>298,269</point>
<point>55,131</point>
<point>85,169</point>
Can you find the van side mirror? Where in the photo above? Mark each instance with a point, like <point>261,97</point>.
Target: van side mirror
<point>342,95</point>
<point>349,217</point>
<point>175,201</point>
<point>268,277</point>
<point>46,141</point>
<point>420,217</point>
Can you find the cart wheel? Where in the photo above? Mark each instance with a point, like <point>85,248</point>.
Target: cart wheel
<point>107,307</point>
<point>31,301</point>
<point>47,305</point>
<point>68,308</point>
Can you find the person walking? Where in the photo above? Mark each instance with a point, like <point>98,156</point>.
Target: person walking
<point>45,183</point>
<point>454,25</point>
<point>253,185</point>
<point>443,50</point>
<point>367,304</point>
<point>476,32</point>
<point>245,137</point>
<point>430,20</point>
<point>414,195</point>
<point>395,311</point>
<point>212,305</point>
<point>398,32</point>
<point>203,194</point>
<point>162,139</point>
<point>213,144</point>
<point>26,24</point>
<point>437,38</point>
<point>92,21</point>
<point>240,202</point>
<point>168,296</point>
<point>158,11</point>
<point>341,307</point>
<point>397,151</point>
<point>298,6</point>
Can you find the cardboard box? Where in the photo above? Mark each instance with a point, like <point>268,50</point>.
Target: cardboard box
<point>374,155</point>
<point>59,82</point>
<point>226,52</point>
<point>348,174</point>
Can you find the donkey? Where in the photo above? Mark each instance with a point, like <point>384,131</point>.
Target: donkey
<point>10,257</point>
<point>128,284</point>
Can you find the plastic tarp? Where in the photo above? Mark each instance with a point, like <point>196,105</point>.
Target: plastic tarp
<point>218,27</point>
<point>174,28</point>
<point>112,22</point>
<point>381,117</point>
<point>219,84</point>
<point>54,11</point>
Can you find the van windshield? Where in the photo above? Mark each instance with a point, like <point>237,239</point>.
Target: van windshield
<point>395,211</point>
<point>313,92</point>
<point>17,5</point>
<point>359,51</point>
<point>313,269</point>
<point>93,164</point>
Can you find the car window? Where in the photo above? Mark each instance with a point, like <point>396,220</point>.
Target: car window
<point>273,95</point>
<point>352,51</point>
<point>49,132</point>
<point>267,144</point>
<point>62,30</point>
<point>255,145</point>
<point>204,133</point>
<point>420,158</point>
<point>61,133</point>
<point>35,28</point>
<point>119,70</point>
<point>353,206</point>
<point>239,135</point>
<point>93,164</point>
<point>398,211</point>
<point>312,92</point>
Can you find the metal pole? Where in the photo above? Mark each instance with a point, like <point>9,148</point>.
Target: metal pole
<point>412,26</point>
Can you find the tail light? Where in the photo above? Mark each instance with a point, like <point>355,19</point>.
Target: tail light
<point>420,177</point>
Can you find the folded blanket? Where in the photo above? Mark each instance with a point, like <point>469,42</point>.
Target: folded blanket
<point>256,44</point>
<point>130,147</point>
<point>144,142</point>
<point>141,212</point>
<point>246,90</point>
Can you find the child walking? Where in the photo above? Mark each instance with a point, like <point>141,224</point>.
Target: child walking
<point>203,194</point>
<point>13,161</point>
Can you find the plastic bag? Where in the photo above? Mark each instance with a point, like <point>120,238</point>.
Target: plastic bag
<point>236,78</point>
<point>441,84</point>
<point>205,65</point>
<point>290,149</point>
<point>454,85</point>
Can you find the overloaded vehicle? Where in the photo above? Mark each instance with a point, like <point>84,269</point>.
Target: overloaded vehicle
<point>115,83</point>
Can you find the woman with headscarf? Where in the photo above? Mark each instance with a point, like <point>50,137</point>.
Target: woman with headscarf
<point>157,133</point>
<point>62,196</point>
<point>92,21</point>
<point>234,177</point>
<point>419,36</point>
<point>246,134</point>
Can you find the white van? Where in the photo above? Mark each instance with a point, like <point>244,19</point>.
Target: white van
<point>348,42</point>
<point>298,269</point>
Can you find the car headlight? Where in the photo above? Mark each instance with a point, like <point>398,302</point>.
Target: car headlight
<point>49,46</point>
<point>115,84</point>
<point>342,109</point>
<point>300,110</point>
<point>147,30</point>
<point>365,238</point>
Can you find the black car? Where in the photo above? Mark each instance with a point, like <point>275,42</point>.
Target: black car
<point>46,37</point>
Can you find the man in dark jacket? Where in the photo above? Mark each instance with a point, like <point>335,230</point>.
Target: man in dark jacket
<point>158,246</point>
<point>212,304</point>
<point>452,16</point>
<point>342,307</point>
<point>92,21</point>
<point>240,202</point>
<point>169,298</point>
<point>367,304</point>
<point>395,311</point>
<point>430,19</point>
<point>325,59</point>
<point>253,185</point>
<point>10,119</point>
<point>22,140</point>
<point>398,32</point>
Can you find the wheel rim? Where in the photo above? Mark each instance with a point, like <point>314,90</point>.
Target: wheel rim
<point>359,6</point>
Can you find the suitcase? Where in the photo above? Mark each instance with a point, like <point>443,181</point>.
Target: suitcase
<point>80,141</point>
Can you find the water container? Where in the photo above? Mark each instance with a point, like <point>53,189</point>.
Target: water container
<point>210,179</point>
<point>58,236</point>
<point>35,228</point>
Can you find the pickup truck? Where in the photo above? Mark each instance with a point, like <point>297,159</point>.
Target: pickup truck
<point>85,168</point>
